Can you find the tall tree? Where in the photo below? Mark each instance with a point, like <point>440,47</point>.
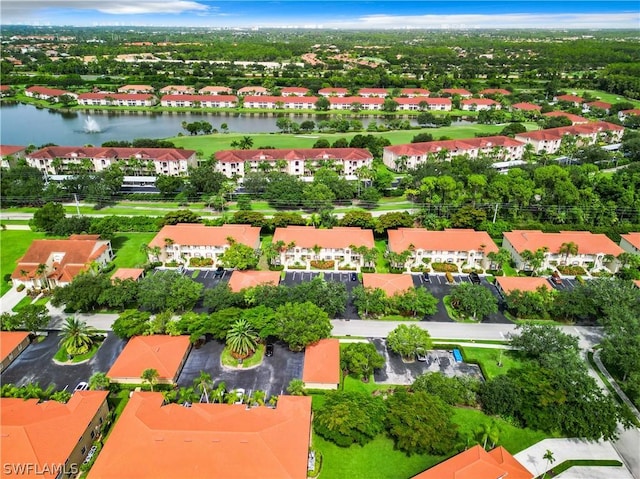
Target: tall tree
<point>150,376</point>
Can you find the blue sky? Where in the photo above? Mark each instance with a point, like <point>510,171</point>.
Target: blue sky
<point>326,14</point>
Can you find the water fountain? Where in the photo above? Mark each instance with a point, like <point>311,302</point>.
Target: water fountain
<point>91,125</point>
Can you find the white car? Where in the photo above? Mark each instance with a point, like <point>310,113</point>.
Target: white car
<point>240,396</point>
<point>83,386</point>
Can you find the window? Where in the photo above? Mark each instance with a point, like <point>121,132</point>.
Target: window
<point>83,450</point>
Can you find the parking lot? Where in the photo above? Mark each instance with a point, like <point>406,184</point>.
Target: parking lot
<point>272,376</point>
<point>35,364</point>
<point>396,371</point>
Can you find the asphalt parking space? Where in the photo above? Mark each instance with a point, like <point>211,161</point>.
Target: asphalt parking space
<point>350,312</point>
<point>396,371</point>
<point>272,376</point>
<point>439,287</point>
<point>297,277</point>
<point>35,364</point>
<point>207,277</point>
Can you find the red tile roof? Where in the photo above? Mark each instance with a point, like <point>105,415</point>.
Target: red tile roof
<point>176,88</point>
<point>79,152</point>
<point>201,235</point>
<point>7,150</point>
<point>160,352</point>
<point>116,96</point>
<point>526,106</point>
<point>479,101</point>
<point>45,433</point>
<point>635,111</point>
<point>558,133</point>
<point>294,89</point>
<point>476,463</point>
<point>570,98</point>
<point>375,91</point>
<point>637,282</point>
<point>215,89</point>
<point>588,243</point>
<point>633,238</point>
<point>285,100</point>
<point>389,283</point>
<point>495,91</point>
<point>456,91</point>
<point>339,237</point>
<point>9,340</point>
<point>447,240</point>
<point>202,98</point>
<point>248,279</point>
<point>40,90</point>
<point>419,99</point>
<point>322,362</point>
<point>136,87</point>
<point>76,255</point>
<point>248,89</point>
<point>418,149</point>
<point>350,100</point>
<point>575,119</point>
<point>333,91</point>
<point>300,154</point>
<point>207,440</point>
<point>600,104</point>
<point>414,91</point>
<point>521,283</point>
<point>5,87</point>
<point>127,273</point>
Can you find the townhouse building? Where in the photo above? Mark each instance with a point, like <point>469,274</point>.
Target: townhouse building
<point>9,154</point>
<point>215,90</point>
<point>294,91</point>
<point>276,102</point>
<point>575,119</point>
<point>416,103</point>
<point>575,100</point>
<point>352,102</point>
<point>373,92</point>
<point>328,92</point>
<point>253,91</point>
<point>116,99</point>
<point>526,107</point>
<point>624,114</point>
<point>494,91</point>
<point>630,242</point>
<point>477,104</point>
<point>413,92</point>
<point>136,89</point>
<point>461,92</point>
<point>202,101</point>
<point>177,90</point>
<point>549,140</point>
<point>45,93</point>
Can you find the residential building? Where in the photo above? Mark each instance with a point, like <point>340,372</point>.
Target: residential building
<point>389,283</point>
<point>594,251</point>
<point>321,368</point>
<point>413,92</point>
<point>423,103</point>
<point>166,354</point>
<point>529,284</point>
<point>122,274</point>
<point>602,105</point>
<point>499,148</point>
<point>10,153</point>
<point>215,90</point>
<point>303,244</point>
<point>476,463</point>
<point>177,90</point>
<point>298,162</point>
<point>373,92</point>
<point>457,91</point>
<point>494,91</point>
<point>253,90</point>
<point>136,89</point>
<point>55,160</point>
<point>202,101</point>
<point>477,104</point>
<point>5,90</point>
<point>232,441</point>
<point>248,279</point>
<point>50,439</point>
<point>179,243</point>
<point>49,263</point>
<point>45,93</point>
<point>12,343</point>
<point>280,102</point>
<point>327,92</point>
<point>355,102</point>
<point>116,99</point>
<point>465,248</point>
<point>526,107</point>
<point>575,119</point>
<point>624,114</point>
<point>294,91</point>
<point>630,243</point>
<point>575,100</point>
<point>549,141</point>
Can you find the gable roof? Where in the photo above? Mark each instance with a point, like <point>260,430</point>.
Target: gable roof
<point>339,237</point>
<point>522,283</point>
<point>160,352</point>
<point>575,119</point>
<point>389,283</point>
<point>526,106</point>
<point>456,91</point>
<point>298,154</point>
<point>248,279</point>
<point>570,98</point>
<point>588,243</point>
<point>479,101</point>
<point>415,91</point>
<point>448,240</point>
<point>45,433</point>
<point>554,134</point>
<point>196,234</point>
<point>600,104</point>
<point>322,362</point>
<point>200,98</point>
<point>9,340</point>
<point>495,91</point>
<point>633,239</point>
<point>127,273</point>
<point>6,150</point>
<point>453,146</point>
<point>79,152</point>
<point>334,91</point>
<point>476,463</point>
<point>41,90</point>
<point>207,440</point>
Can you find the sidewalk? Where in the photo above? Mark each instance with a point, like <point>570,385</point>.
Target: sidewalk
<point>10,299</point>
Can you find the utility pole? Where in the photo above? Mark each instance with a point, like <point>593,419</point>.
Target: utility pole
<point>78,204</point>
<point>495,213</point>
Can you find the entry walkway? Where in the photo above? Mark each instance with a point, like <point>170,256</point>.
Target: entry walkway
<point>568,449</point>
<point>10,299</point>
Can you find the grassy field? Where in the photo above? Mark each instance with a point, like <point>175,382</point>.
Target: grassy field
<point>488,359</point>
<point>126,247</point>
<point>208,144</point>
<point>13,245</point>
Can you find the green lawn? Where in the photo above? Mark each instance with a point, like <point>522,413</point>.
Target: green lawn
<point>382,265</point>
<point>13,245</point>
<point>488,360</point>
<point>22,303</point>
<point>126,247</point>
<point>263,264</point>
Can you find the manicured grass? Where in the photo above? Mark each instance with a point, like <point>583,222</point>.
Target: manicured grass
<point>557,469</point>
<point>63,357</point>
<point>608,97</point>
<point>126,247</point>
<point>354,384</point>
<point>509,270</point>
<point>13,246</point>
<point>488,360</point>
<point>382,265</point>
<point>22,303</point>
<point>453,314</point>
<point>254,360</point>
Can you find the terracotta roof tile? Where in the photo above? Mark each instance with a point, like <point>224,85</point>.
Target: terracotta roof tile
<point>447,240</point>
<point>522,283</point>
<point>247,279</point>
<point>349,100</point>
<point>201,235</point>
<point>418,149</point>
<point>9,340</point>
<point>322,362</point>
<point>389,283</point>
<point>575,119</point>
<point>479,101</point>
<point>300,154</point>
<point>6,150</point>
<point>526,106</point>
<point>207,440</point>
<point>588,243</point>
<point>167,154</point>
<point>339,237</point>
<point>633,238</point>
<point>495,91</point>
<point>201,98</point>
<point>127,273</point>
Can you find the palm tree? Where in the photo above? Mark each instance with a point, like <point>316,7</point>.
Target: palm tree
<point>203,383</point>
<point>150,376</point>
<point>77,336</point>
<point>218,392</point>
<point>41,271</point>
<point>488,432</point>
<point>568,249</point>
<point>296,387</point>
<point>548,456</point>
<point>99,381</point>
<point>316,250</point>
<point>242,339</point>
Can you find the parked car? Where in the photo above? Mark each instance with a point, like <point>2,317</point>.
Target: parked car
<point>239,396</point>
<point>555,278</point>
<point>474,277</point>
<point>268,350</point>
<point>426,278</point>
<point>218,273</point>
<point>354,277</point>
<point>82,386</point>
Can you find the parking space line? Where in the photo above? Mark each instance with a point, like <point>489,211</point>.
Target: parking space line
<point>206,273</point>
